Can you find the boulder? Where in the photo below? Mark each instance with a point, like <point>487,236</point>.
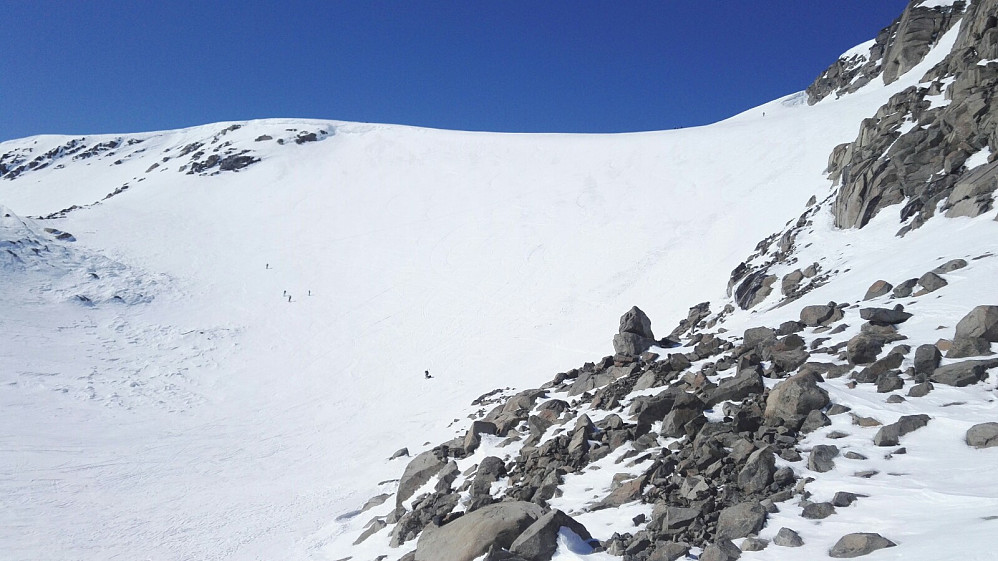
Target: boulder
<point>813,316</point>
<point>473,534</point>
<point>669,551</point>
<point>637,322</point>
<point>758,472</point>
<point>983,435</point>
<point>950,266</point>
<point>721,550</point>
<point>686,408</point>
<point>863,348</point>
<point>756,335</point>
<point>540,540</point>
<point>788,538</point>
<point>631,344</point>
<point>793,399</point>
<point>821,458</point>
<point>905,289</point>
<point>974,331</point>
<point>930,282</point>
<point>927,358</point>
<point>964,373</point>
<point>890,435</point>
<point>877,289</point>
<point>741,520</point>
<point>858,544</point>
<point>416,474</point>
<point>472,440</point>
<point>737,388</point>
<point>818,511</point>
<point>790,282</point>
<point>885,316</point>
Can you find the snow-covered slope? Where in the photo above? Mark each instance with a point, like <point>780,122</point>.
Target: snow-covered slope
<point>261,300</point>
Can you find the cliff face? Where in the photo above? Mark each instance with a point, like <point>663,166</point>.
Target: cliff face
<point>896,50</point>
<point>926,145</point>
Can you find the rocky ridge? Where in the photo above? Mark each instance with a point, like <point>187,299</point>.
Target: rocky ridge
<point>713,433</point>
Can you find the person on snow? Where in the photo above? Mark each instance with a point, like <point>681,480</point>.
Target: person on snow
<point>427,374</point>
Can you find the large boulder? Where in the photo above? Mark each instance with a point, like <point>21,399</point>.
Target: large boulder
<point>417,473</point>
<point>686,408</point>
<point>890,435</point>
<point>737,388</point>
<point>813,316</point>
<point>927,359</point>
<point>473,534</point>
<point>885,316</point>
<point>863,348</point>
<point>858,544</point>
<point>975,332</point>
<point>741,520</point>
<point>634,335</point>
<point>983,435</point>
<point>758,472</point>
<point>540,540</point>
<point>793,399</point>
<point>964,373</point>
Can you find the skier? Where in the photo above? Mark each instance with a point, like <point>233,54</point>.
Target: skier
<point>427,374</point>
<point>289,298</point>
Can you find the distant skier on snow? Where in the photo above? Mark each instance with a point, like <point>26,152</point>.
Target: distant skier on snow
<point>427,374</point>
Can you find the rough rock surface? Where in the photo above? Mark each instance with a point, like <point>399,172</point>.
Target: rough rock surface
<point>472,535</point>
<point>858,544</point>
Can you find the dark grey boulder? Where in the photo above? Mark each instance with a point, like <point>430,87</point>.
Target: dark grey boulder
<point>983,435</point>
<point>669,551</point>
<point>890,435</point>
<point>670,518</point>
<point>788,538</point>
<point>963,373</point>
<point>920,390</point>
<point>950,266</point>
<point>686,408</point>
<point>974,333</point>
<point>982,321</point>
<point>885,316</point>
<point>721,550</point>
<point>813,316</point>
<point>844,498</point>
<point>756,335</point>
<point>400,453</point>
<point>737,388</point>
<point>754,544</point>
<point>821,458</point>
<point>793,399</point>
<point>649,409</point>
<point>472,440</point>
<point>927,358</point>
<point>930,282</point>
<point>790,282</point>
<point>818,511</point>
<point>473,534</point>
<point>631,344</point>
<point>863,348</point>
<point>814,421</point>
<point>905,289</point>
<point>416,474</point>
<point>963,347</point>
<point>858,544</point>
<point>741,520</point>
<point>376,526</point>
<point>637,322</point>
<point>540,540</point>
<point>758,472</point>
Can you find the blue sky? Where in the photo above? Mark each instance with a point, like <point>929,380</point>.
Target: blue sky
<point>579,66</point>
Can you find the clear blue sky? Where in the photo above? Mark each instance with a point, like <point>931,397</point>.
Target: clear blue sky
<point>77,67</point>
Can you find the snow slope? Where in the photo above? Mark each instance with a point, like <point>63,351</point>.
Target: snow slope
<point>207,416</point>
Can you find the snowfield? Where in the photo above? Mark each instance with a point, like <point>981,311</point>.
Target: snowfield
<point>218,366</point>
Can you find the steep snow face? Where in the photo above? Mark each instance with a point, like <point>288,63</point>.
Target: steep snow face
<point>247,410</point>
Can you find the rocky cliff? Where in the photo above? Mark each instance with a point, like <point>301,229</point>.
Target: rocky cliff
<point>722,432</point>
